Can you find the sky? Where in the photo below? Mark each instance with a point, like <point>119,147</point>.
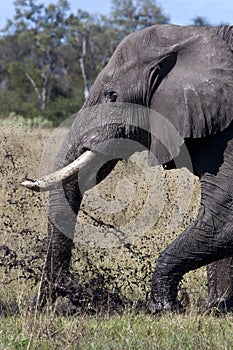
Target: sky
<point>180,11</point>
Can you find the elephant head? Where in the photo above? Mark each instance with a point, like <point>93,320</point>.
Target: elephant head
<point>183,74</point>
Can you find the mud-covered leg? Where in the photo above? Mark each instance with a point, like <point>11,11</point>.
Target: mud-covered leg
<point>193,249</point>
<point>209,238</point>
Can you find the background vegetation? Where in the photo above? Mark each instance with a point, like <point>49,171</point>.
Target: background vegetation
<point>50,57</point>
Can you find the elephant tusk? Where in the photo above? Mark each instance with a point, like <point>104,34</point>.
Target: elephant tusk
<point>50,181</point>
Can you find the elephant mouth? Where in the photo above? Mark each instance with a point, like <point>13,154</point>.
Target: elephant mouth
<point>52,180</point>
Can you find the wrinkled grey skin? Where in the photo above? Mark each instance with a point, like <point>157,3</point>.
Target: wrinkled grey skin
<point>185,74</point>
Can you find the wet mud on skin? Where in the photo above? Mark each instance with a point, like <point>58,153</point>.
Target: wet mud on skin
<point>111,266</point>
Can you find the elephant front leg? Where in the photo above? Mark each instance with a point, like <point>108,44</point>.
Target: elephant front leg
<point>197,246</point>
<point>164,289</point>
<point>169,270</point>
<point>209,238</point>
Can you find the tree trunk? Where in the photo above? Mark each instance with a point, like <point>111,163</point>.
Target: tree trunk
<point>83,70</point>
<point>41,96</point>
<point>44,91</point>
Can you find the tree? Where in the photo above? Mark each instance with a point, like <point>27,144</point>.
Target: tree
<point>79,36</point>
<point>50,58</point>
<point>42,29</point>
<point>132,15</point>
<point>200,21</point>
<point>90,39</point>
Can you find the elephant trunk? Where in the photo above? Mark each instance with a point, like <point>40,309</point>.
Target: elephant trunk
<point>64,204</point>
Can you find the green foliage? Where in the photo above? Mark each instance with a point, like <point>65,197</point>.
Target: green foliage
<point>61,108</point>
<point>133,15</point>
<point>13,101</point>
<point>200,21</point>
<point>50,58</point>
<point>17,78</point>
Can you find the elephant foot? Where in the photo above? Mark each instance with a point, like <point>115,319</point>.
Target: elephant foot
<point>50,290</point>
<point>156,307</point>
<point>175,306</point>
<point>164,293</point>
<point>46,296</point>
<point>162,301</point>
<point>92,297</point>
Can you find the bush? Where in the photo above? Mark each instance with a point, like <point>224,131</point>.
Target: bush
<point>28,115</point>
<point>61,109</point>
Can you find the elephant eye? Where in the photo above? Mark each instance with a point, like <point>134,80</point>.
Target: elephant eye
<point>110,96</point>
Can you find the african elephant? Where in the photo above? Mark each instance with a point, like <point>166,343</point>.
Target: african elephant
<point>184,74</point>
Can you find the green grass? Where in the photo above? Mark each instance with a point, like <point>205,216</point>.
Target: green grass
<point>127,331</point>
<point>165,332</point>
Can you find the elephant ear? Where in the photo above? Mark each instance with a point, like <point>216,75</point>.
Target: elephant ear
<point>196,94</point>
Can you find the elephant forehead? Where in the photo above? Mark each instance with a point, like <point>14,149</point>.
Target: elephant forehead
<point>124,60</point>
